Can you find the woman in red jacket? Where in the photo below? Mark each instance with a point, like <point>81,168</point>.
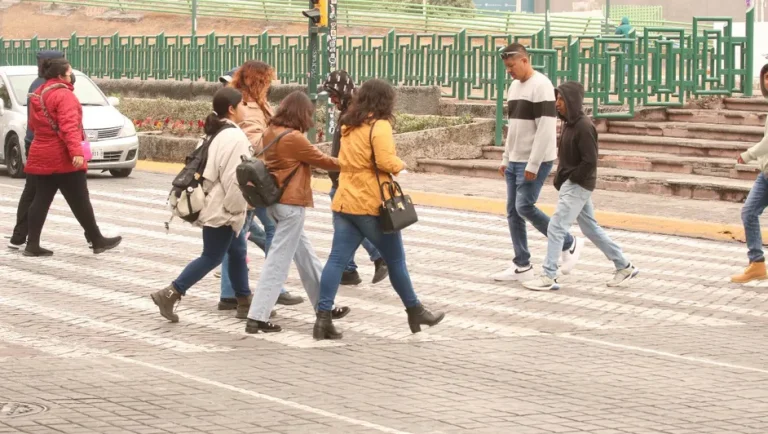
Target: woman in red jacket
<point>56,157</point>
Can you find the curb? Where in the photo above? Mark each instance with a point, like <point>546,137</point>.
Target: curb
<point>608,219</point>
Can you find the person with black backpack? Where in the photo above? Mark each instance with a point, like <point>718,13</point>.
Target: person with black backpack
<point>223,211</point>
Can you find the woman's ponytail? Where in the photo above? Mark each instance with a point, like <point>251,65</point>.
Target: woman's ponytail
<point>213,123</point>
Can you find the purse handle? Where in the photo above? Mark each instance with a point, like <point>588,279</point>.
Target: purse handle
<point>391,183</point>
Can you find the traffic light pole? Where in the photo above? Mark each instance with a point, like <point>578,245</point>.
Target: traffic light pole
<point>330,123</point>
<point>313,61</point>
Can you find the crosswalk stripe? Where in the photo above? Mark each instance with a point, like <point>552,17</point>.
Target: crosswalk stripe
<point>47,344</point>
<point>559,298</point>
<point>146,306</point>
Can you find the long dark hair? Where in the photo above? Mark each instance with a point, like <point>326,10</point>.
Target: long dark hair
<point>374,100</point>
<point>296,112</point>
<point>222,101</point>
<point>55,68</point>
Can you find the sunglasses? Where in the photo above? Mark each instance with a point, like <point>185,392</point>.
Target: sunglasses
<point>507,55</point>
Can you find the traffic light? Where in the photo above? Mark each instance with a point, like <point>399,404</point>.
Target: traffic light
<point>319,13</point>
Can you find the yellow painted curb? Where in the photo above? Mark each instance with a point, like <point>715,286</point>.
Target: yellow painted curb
<point>609,219</point>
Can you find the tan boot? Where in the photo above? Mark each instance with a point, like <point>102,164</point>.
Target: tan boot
<point>166,299</point>
<point>755,271</point>
<point>243,306</point>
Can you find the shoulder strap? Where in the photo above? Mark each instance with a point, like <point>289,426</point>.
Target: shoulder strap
<point>274,141</point>
<point>47,115</point>
<point>207,144</point>
<point>375,166</point>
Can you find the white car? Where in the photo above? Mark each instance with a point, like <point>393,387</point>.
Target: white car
<point>114,143</point>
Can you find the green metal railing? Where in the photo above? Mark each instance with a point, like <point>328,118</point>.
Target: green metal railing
<point>373,13</point>
<point>662,67</point>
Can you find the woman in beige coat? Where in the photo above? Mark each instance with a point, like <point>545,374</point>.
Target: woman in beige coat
<point>223,214</point>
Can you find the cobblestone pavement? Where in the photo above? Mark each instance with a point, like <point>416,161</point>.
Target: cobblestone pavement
<point>84,350</point>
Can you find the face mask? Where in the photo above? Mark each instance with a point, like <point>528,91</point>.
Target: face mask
<point>72,78</point>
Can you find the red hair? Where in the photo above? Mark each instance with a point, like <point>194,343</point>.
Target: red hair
<point>253,80</point>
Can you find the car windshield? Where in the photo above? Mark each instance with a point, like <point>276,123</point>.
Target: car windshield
<point>85,90</point>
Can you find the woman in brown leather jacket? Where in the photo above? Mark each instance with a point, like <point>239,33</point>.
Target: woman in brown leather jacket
<point>290,160</point>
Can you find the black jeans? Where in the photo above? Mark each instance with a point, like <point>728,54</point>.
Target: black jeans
<point>25,201</point>
<point>74,188</point>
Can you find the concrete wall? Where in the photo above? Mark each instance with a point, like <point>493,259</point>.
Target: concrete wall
<point>674,10</point>
<point>421,100</point>
<point>452,143</point>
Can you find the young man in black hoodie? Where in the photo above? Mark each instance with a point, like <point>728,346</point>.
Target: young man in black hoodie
<point>575,179</point>
<point>340,88</point>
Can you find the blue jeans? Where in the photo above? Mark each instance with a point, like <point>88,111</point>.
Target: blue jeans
<point>217,242</point>
<point>753,207</point>
<point>373,253</point>
<point>263,239</point>
<point>575,204</point>
<point>521,207</point>
<point>348,232</point>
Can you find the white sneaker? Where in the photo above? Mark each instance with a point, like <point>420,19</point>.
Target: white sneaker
<point>571,257</point>
<point>21,246</point>
<point>542,283</point>
<point>623,276</point>
<point>514,274</point>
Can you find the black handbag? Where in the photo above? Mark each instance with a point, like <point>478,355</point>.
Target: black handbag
<point>397,212</point>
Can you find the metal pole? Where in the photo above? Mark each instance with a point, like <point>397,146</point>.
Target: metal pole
<point>606,29</point>
<point>749,76</point>
<point>547,8</point>
<point>194,18</point>
<point>330,124</point>
<point>313,62</point>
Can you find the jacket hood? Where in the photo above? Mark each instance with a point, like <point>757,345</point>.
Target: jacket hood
<point>762,80</point>
<point>625,21</point>
<point>573,94</point>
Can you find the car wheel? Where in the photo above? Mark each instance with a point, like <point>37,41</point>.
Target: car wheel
<point>121,173</point>
<point>15,162</point>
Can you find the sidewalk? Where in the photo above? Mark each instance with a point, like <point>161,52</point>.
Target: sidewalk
<point>714,220</point>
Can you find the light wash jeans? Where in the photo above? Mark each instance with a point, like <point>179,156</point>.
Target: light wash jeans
<point>756,202</point>
<point>290,243</point>
<point>575,204</point>
<point>522,196</point>
<point>262,238</point>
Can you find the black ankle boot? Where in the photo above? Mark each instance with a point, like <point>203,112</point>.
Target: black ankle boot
<point>340,312</point>
<point>227,304</point>
<point>106,244</point>
<point>36,251</point>
<point>324,328</point>
<point>252,326</point>
<point>419,315</point>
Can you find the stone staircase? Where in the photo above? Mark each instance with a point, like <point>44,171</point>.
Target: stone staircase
<point>687,153</point>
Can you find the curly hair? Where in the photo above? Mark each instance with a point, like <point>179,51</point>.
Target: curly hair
<point>374,100</point>
<point>253,80</point>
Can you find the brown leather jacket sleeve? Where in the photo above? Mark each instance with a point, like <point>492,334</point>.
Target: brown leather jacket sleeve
<point>310,154</point>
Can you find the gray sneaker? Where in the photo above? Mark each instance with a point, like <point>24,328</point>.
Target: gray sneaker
<point>623,276</point>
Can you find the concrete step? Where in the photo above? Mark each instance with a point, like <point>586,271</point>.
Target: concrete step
<point>728,117</point>
<point>660,162</point>
<point>720,132</point>
<point>755,104</point>
<point>674,145</point>
<point>665,184</point>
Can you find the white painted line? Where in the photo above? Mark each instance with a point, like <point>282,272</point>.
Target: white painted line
<point>229,325</point>
<point>662,353</point>
<point>48,345</point>
<point>251,393</point>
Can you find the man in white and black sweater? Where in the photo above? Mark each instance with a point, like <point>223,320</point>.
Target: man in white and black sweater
<point>529,156</point>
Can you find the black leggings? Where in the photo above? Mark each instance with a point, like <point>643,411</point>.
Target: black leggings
<point>74,188</point>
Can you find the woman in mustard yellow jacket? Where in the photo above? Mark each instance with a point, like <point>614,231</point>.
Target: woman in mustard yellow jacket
<point>366,128</point>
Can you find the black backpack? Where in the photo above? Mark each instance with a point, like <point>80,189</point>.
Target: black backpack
<point>264,191</point>
<point>187,197</point>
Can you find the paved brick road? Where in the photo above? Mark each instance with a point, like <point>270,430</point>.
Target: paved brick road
<point>680,351</point>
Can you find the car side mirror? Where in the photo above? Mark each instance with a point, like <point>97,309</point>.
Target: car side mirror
<point>2,107</point>
<point>113,101</point>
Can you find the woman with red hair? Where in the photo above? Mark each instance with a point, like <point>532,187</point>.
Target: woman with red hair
<point>253,80</point>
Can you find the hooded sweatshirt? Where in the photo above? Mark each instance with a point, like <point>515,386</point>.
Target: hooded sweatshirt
<point>577,148</point>
<point>759,152</point>
<point>341,84</point>
<point>624,28</point>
